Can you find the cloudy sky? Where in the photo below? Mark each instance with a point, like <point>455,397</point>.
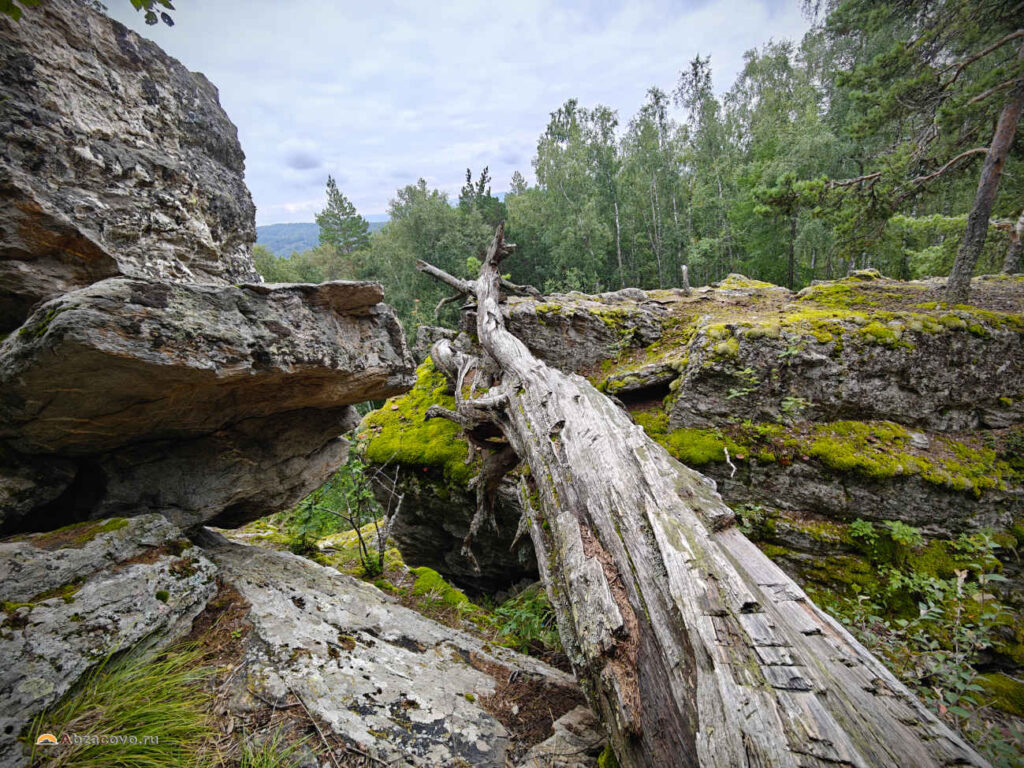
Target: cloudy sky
<point>381,93</point>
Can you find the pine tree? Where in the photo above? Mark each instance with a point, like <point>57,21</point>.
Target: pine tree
<point>340,225</point>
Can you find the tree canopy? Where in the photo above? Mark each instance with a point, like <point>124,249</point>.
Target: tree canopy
<point>869,143</point>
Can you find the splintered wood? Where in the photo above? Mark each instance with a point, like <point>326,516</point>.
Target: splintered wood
<point>693,647</point>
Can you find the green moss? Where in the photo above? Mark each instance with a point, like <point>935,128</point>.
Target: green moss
<point>1007,693</point>
<point>728,348</point>
<point>880,450</point>
<point>398,432</point>
<point>773,551</point>
<point>735,281</point>
<point>429,582</point>
<point>953,322</point>
<point>10,607</point>
<point>881,334</point>
<point>854,446</point>
<point>37,330</point>
<point>76,535</point>
<point>162,595</point>
<point>607,758</point>
<point>697,447</point>
<point>935,559</point>
<point>65,592</point>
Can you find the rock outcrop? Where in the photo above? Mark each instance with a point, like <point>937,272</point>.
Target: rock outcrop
<point>117,161</point>
<point>147,368</point>
<point>75,596</point>
<point>397,686</point>
<point>865,398</point>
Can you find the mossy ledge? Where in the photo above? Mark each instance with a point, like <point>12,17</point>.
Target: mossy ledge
<point>399,433</point>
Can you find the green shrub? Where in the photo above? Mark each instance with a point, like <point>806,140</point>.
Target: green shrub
<point>527,620</point>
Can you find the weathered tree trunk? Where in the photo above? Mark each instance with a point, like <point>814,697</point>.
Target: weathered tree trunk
<point>618,245</point>
<point>695,649</point>
<point>959,287</point>
<point>1011,264</point>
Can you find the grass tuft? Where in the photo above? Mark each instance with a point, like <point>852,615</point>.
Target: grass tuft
<point>132,698</point>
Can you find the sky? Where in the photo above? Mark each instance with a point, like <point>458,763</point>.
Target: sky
<point>379,94</point>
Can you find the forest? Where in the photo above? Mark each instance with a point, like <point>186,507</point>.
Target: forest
<point>860,146</point>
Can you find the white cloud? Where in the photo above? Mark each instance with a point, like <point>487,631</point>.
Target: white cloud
<point>381,93</point>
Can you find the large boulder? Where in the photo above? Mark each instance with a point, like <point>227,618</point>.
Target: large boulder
<point>130,360</point>
<point>116,161</point>
<point>199,401</point>
<point>74,596</point>
<point>393,684</point>
<point>575,331</point>
<point>144,366</point>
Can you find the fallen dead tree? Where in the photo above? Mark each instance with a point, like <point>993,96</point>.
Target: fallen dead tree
<point>693,647</point>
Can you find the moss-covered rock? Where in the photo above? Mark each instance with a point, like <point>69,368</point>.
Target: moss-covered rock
<point>399,433</point>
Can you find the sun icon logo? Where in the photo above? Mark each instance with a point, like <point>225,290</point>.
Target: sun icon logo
<point>46,738</point>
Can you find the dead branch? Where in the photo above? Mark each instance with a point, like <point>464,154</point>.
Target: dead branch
<point>923,179</point>
<point>980,55</point>
<point>872,177</point>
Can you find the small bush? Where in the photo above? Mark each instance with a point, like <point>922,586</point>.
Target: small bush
<point>527,620</point>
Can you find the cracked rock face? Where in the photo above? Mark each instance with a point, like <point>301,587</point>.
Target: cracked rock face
<point>117,161</point>
<point>202,402</point>
<point>128,360</point>
<point>76,595</point>
<point>574,331</point>
<point>389,681</point>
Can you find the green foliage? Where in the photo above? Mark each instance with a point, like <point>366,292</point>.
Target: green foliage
<point>527,620</point>
<point>132,697</point>
<point>316,265</point>
<point>340,226</point>
<point>932,617</point>
<point>344,503</point>
<point>756,522</point>
<point>423,226</point>
<point>152,14</point>
<point>10,7</point>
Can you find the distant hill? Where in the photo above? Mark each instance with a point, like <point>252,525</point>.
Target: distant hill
<point>283,239</point>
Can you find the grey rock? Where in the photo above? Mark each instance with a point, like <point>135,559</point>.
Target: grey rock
<point>576,332</point>
<point>117,160</point>
<point>434,520</point>
<point>577,742</point>
<point>103,579</point>
<point>389,681</point>
<point>426,335</point>
<point>127,360</point>
<point>942,380</point>
<point>286,457</point>
<point>811,487</point>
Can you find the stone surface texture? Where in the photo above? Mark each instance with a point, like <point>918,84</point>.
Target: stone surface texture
<point>117,161</point>
<point>144,365</point>
<point>74,596</point>
<point>398,686</point>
